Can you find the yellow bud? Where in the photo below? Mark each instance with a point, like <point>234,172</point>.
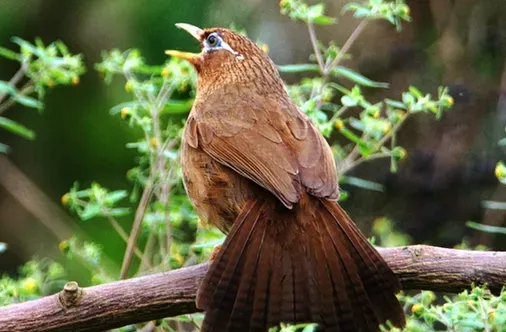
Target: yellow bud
<point>129,86</point>
<point>30,285</point>
<point>265,48</point>
<point>491,315</point>
<point>339,124</point>
<point>184,86</point>
<point>50,83</point>
<point>179,258</point>
<point>500,170</point>
<point>65,199</point>
<point>63,246</point>
<point>125,112</point>
<point>165,72</point>
<point>417,308</point>
<point>75,80</point>
<point>401,153</point>
<point>387,127</point>
<point>376,114</point>
<point>96,279</point>
<point>450,101</point>
<point>153,142</point>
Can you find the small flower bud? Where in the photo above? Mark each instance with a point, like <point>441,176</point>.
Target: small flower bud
<point>492,315</point>
<point>339,124</point>
<point>500,170</point>
<point>399,153</point>
<point>417,309</point>
<point>75,80</point>
<point>126,112</point>
<point>30,285</point>
<point>386,127</point>
<point>154,142</point>
<point>165,72</point>
<point>129,86</point>
<point>265,48</point>
<point>65,199</point>
<point>64,246</point>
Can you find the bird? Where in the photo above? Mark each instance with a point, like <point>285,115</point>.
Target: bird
<point>257,168</point>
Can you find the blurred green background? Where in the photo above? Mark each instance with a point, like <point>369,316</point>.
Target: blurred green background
<point>450,166</point>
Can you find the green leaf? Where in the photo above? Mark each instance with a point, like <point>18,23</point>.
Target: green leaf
<point>348,101</point>
<point>3,247</point>
<point>6,87</point>
<point>361,183</point>
<point>6,53</point>
<point>357,78</point>
<point>28,101</point>
<point>116,196</point>
<point>298,68</point>
<point>310,328</point>
<point>4,148</point>
<point>177,106</point>
<point>16,128</point>
<point>415,92</point>
<point>117,109</point>
<point>494,205</point>
<point>354,138</point>
<point>486,228</point>
<point>324,20</point>
<point>29,47</point>
<point>91,210</point>
<point>119,212</point>
<point>395,103</point>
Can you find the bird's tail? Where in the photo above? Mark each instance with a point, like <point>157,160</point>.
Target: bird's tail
<point>307,265</point>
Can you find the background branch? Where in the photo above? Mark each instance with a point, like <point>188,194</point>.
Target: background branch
<point>173,293</point>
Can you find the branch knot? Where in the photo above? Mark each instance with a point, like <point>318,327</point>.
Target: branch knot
<point>70,295</point>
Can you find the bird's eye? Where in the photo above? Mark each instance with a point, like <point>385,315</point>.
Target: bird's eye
<point>213,40</point>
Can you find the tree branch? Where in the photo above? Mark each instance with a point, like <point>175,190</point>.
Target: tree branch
<point>173,293</point>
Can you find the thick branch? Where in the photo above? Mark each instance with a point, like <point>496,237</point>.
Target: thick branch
<point>173,293</point>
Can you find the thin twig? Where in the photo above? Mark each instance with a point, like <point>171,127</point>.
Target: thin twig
<point>316,49</point>
<point>148,251</point>
<point>347,45</point>
<point>15,80</point>
<point>136,228</point>
<point>326,70</point>
<point>26,90</point>
<point>117,227</point>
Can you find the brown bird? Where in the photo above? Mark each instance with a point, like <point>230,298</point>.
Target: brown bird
<point>257,168</point>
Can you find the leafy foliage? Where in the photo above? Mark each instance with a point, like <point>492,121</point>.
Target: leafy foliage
<point>42,68</point>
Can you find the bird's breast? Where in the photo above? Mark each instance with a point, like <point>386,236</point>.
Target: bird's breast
<point>216,191</point>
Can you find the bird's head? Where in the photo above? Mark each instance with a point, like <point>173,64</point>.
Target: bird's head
<point>227,57</point>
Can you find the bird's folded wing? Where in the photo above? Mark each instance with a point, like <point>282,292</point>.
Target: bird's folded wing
<point>275,147</point>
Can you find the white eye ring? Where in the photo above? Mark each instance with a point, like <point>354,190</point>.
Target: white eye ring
<point>215,42</point>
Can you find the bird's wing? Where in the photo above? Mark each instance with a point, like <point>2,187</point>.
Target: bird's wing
<point>270,143</point>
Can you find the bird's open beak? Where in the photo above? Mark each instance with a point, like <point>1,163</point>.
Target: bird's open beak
<point>197,33</point>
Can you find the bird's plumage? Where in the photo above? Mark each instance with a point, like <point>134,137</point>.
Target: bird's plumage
<point>256,167</point>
